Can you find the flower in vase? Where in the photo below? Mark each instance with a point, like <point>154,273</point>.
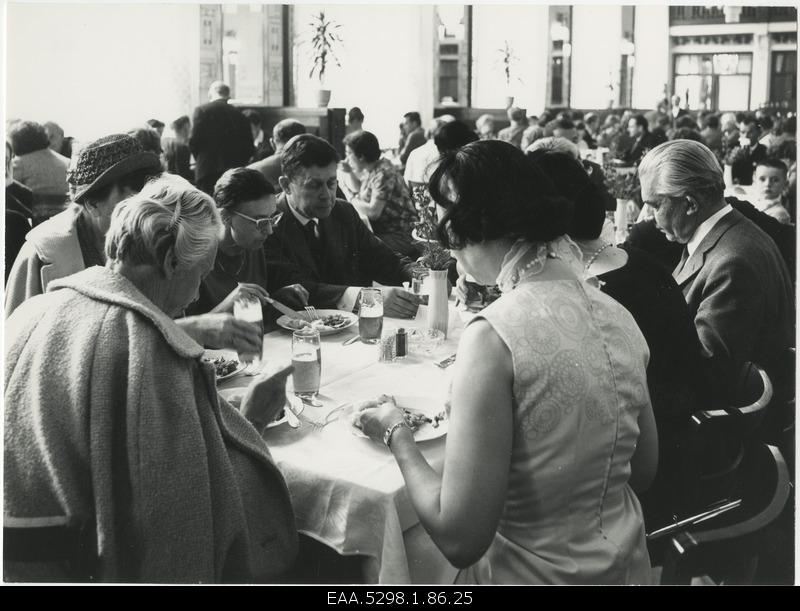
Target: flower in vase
<point>433,255</point>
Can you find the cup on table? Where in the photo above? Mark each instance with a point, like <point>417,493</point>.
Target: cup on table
<point>370,315</point>
<point>307,362</point>
<point>249,310</point>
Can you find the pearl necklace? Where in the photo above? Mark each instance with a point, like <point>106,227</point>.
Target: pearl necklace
<point>595,255</point>
<point>228,272</point>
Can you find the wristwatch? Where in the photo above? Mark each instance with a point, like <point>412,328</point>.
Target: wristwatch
<point>387,435</point>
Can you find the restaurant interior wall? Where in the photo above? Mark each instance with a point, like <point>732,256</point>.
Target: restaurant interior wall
<point>523,27</point>
<point>386,68</point>
<point>98,69</point>
<point>596,60</point>
<point>651,68</point>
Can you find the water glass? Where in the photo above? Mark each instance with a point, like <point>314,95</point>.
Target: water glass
<point>370,315</point>
<point>307,362</point>
<point>249,310</point>
<point>418,276</point>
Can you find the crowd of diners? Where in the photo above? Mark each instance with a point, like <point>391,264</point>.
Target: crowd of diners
<point>571,395</point>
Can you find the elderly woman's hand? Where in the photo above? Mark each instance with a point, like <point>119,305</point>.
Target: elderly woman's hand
<point>374,417</point>
<point>244,290</point>
<point>223,331</point>
<point>266,396</point>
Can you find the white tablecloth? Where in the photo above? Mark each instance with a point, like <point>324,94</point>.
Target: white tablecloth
<point>347,491</point>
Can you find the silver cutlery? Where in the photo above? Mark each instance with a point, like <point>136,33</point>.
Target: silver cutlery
<point>282,308</point>
<point>311,312</point>
<point>352,340</point>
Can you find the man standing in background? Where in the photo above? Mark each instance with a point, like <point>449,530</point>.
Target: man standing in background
<point>221,137</point>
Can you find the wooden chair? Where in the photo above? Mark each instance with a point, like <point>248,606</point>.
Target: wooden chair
<point>718,437</point>
<point>727,546</point>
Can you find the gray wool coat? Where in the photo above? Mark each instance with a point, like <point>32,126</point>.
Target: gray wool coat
<point>112,417</point>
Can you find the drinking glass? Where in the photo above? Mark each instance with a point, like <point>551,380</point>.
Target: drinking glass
<point>249,310</point>
<point>418,287</point>
<point>370,315</point>
<point>307,362</point>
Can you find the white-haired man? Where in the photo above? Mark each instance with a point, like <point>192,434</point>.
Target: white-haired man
<point>731,273</point>
<point>221,137</point>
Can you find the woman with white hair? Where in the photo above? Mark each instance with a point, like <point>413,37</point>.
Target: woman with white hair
<point>121,462</point>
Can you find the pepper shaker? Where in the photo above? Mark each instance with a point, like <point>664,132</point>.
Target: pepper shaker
<point>401,344</point>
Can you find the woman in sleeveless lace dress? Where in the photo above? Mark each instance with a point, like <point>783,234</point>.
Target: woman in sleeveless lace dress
<point>551,424</point>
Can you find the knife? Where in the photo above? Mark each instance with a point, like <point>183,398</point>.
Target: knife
<point>282,308</point>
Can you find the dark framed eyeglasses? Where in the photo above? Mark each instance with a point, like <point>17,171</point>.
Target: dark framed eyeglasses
<point>263,224</point>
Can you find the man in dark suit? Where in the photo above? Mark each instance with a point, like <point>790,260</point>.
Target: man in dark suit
<point>414,135</point>
<point>221,138</point>
<point>270,167</point>
<point>731,274</point>
<point>639,131</point>
<point>325,238</point>
<point>749,152</point>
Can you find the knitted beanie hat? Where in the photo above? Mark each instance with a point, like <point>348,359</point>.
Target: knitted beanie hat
<point>103,161</point>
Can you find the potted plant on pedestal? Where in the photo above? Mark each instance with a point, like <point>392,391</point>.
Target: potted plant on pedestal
<point>509,61</point>
<point>323,43</point>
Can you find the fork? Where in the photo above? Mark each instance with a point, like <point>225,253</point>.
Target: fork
<point>311,312</point>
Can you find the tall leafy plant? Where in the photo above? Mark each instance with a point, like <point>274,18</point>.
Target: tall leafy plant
<point>324,41</point>
<point>508,60</point>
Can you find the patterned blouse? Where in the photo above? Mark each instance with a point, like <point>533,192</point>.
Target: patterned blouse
<point>399,214</point>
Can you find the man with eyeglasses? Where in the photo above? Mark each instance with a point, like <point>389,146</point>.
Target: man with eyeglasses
<point>326,239</point>
<point>246,201</point>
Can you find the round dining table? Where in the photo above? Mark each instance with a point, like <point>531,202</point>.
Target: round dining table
<point>347,491</point>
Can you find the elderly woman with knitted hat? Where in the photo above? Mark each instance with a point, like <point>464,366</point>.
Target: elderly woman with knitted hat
<point>105,172</point>
<point>121,462</point>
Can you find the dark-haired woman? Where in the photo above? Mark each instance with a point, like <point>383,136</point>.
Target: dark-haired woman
<point>649,292</point>
<point>382,195</point>
<point>551,423</point>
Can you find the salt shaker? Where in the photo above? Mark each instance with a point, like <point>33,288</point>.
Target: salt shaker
<point>386,347</point>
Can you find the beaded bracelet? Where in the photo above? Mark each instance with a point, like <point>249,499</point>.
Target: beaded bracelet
<point>387,435</point>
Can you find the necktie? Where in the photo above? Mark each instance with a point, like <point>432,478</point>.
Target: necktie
<point>312,240</point>
<point>682,262</point>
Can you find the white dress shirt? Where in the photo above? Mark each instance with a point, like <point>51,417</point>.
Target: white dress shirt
<point>706,226</point>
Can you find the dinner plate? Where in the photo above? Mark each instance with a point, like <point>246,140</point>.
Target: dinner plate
<point>349,318</point>
<point>421,404</point>
<point>210,355</point>
<point>234,397</point>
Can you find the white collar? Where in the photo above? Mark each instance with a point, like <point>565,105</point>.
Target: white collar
<point>705,227</point>
<point>260,138</point>
<point>301,218</point>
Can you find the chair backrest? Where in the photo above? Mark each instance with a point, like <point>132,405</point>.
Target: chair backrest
<point>718,437</point>
<point>727,546</point>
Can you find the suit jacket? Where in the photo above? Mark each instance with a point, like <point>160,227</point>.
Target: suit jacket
<point>221,139</point>
<point>742,169</point>
<point>413,141</point>
<point>270,168</point>
<point>740,294</point>
<point>352,255</point>
<point>646,236</point>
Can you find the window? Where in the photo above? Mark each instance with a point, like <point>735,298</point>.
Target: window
<point>783,84</point>
<point>448,79</point>
<point>714,81</point>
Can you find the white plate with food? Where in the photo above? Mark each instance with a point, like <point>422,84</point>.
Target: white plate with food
<point>327,323</point>
<point>426,416</point>
<point>225,364</point>
<point>234,397</point>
